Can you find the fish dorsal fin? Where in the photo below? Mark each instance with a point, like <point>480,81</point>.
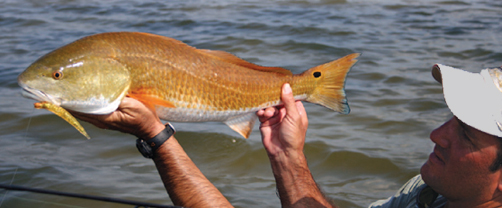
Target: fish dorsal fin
<point>242,124</point>
<point>230,58</point>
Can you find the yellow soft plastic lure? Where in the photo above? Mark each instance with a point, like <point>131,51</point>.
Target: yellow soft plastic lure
<point>64,114</point>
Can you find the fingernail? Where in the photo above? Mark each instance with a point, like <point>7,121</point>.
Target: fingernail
<point>286,89</point>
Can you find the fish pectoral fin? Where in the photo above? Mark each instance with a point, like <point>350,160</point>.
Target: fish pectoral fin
<point>230,58</point>
<point>150,100</point>
<point>242,124</point>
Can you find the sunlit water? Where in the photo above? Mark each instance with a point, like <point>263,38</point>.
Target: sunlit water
<point>355,159</point>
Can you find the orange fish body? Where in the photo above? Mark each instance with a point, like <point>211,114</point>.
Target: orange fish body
<point>181,82</point>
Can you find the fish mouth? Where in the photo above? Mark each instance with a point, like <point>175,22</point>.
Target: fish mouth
<point>38,95</point>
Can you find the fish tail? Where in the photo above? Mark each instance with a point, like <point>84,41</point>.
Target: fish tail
<point>330,81</point>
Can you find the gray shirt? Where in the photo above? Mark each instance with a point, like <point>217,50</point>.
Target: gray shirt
<point>414,194</point>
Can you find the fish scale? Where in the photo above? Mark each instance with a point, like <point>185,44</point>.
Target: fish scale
<point>181,82</point>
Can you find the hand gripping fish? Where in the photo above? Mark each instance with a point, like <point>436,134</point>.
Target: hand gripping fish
<point>183,84</point>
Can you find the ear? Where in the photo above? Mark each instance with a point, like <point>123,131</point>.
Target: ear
<point>499,185</point>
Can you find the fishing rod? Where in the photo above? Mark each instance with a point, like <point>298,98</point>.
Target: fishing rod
<point>84,196</point>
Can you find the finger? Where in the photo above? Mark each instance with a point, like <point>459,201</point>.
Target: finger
<point>271,122</point>
<point>288,99</point>
<point>271,112</point>
<point>267,113</point>
<point>82,116</point>
<point>260,113</point>
<point>302,112</point>
<point>99,121</point>
<point>129,103</point>
<point>96,122</point>
<point>90,118</point>
<point>300,107</point>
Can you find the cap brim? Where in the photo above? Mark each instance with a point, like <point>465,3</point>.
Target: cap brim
<point>471,97</point>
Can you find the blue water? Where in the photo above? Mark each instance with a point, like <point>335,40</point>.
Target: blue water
<point>355,159</point>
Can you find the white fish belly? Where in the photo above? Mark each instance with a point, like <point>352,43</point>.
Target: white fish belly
<point>200,114</point>
<point>196,115</point>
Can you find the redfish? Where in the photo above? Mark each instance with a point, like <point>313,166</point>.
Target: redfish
<point>183,84</point>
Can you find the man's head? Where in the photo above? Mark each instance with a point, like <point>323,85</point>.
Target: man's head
<point>464,165</point>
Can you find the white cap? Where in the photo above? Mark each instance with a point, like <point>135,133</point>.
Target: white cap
<point>474,98</point>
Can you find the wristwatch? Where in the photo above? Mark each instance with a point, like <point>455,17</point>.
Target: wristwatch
<point>148,147</point>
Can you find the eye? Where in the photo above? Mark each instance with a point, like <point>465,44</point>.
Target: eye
<point>317,74</point>
<point>467,135</point>
<point>57,75</point>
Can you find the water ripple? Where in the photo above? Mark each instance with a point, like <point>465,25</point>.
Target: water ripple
<point>394,101</point>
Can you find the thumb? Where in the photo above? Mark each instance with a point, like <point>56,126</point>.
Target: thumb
<point>288,99</point>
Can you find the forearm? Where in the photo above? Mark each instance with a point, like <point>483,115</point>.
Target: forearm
<point>184,182</point>
<point>295,183</point>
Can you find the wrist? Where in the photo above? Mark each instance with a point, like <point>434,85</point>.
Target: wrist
<point>287,158</point>
<point>294,180</point>
<point>148,146</point>
<point>288,164</point>
<point>292,174</point>
<point>151,131</point>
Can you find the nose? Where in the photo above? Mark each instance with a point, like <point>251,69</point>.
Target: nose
<point>440,136</point>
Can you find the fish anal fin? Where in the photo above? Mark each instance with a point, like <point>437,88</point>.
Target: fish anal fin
<point>150,100</point>
<point>242,124</point>
<point>230,58</point>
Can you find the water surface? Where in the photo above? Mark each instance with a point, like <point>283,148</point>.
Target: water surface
<point>356,158</point>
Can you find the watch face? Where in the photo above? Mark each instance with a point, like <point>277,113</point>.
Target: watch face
<point>144,148</point>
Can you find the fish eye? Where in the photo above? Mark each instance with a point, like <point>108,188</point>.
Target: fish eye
<point>317,74</point>
<point>57,75</point>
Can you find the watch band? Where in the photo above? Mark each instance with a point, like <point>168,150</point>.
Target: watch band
<point>148,147</point>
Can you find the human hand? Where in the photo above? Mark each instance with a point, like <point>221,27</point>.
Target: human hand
<point>131,117</point>
<point>283,128</point>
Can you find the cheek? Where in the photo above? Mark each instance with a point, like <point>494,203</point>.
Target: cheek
<point>470,162</point>
<point>475,162</point>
